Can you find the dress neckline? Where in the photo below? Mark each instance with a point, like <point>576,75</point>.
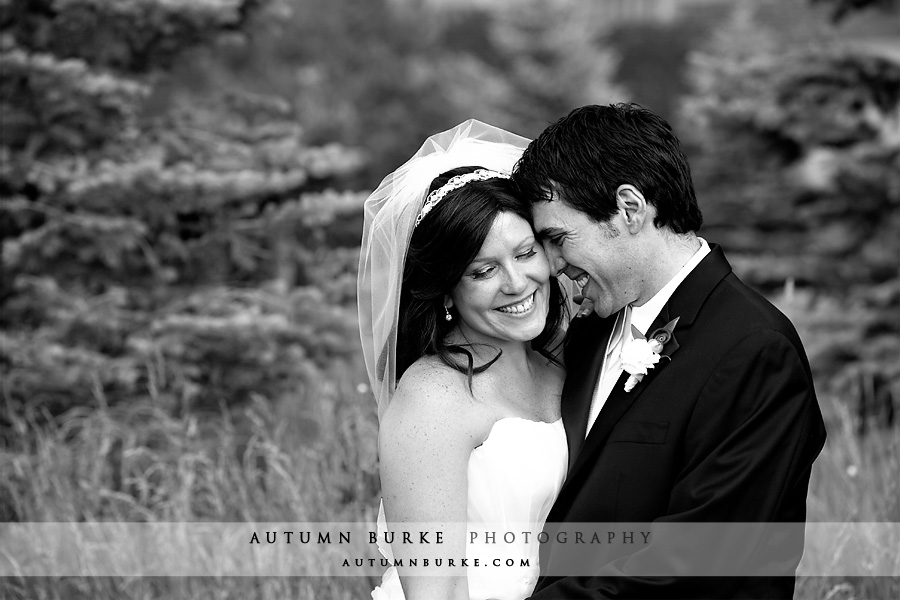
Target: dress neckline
<point>527,420</point>
<point>513,419</point>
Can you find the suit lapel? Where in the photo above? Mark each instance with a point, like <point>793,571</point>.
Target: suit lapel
<point>685,303</point>
<point>616,405</point>
<point>587,353</point>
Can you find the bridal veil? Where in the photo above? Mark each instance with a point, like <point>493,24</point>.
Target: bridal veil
<point>390,215</point>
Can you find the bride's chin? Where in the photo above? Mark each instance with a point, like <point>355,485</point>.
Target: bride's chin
<point>536,326</point>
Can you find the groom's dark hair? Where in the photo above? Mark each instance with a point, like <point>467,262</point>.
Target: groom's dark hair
<point>588,154</point>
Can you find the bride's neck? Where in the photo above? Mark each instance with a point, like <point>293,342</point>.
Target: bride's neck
<point>484,350</point>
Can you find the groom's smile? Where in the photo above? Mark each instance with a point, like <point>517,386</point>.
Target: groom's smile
<point>580,280</point>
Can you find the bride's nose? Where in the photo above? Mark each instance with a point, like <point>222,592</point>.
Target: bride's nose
<point>515,281</point>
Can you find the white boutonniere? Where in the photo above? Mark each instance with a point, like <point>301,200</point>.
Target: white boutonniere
<point>641,354</point>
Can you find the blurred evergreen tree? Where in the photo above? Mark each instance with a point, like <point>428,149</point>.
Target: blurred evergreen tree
<point>653,55</point>
<point>351,69</point>
<point>158,245</point>
<point>549,57</point>
<point>842,8</point>
<point>797,140</point>
<point>386,74</point>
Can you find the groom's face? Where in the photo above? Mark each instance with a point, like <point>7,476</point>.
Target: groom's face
<point>595,255</point>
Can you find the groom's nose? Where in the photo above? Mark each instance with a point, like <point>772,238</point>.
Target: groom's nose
<point>557,263</point>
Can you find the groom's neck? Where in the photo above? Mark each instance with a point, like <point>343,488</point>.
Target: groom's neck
<point>665,254</point>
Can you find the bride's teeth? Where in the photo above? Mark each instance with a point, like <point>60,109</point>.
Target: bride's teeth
<point>582,281</point>
<point>520,308</point>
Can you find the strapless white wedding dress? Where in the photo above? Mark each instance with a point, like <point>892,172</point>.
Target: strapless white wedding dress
<point>513,477</point>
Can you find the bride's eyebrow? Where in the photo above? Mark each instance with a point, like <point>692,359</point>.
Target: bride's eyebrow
<point>482,258</point>
<point>526,241</point>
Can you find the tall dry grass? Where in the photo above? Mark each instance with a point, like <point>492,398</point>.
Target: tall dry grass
<point>856,478</point>
<point>298,460</point>
<point>312,458</point>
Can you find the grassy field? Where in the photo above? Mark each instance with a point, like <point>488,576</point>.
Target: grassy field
<point>854,480</point>
<point>268,463</point>
<point>313,459</point>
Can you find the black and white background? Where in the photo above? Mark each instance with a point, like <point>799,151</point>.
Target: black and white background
<point>182,182</point>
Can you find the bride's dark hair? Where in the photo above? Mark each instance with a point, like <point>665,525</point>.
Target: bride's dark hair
<point>442,246</point>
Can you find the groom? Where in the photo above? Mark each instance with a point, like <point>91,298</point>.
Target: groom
<point>722,426</point>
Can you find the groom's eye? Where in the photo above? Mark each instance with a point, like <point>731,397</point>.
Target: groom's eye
<point>556,240</point>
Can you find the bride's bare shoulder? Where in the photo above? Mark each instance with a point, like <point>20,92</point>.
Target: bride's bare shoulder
<point>425,440</point>
<point>433,399</point>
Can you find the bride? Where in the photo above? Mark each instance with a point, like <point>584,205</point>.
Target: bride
<point>460,318</point>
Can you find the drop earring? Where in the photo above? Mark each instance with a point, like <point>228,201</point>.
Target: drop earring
<point>448,316</point>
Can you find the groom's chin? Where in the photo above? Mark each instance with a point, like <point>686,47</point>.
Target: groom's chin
<point>601,309</point>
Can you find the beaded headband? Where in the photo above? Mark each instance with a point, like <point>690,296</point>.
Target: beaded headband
<point>454,183</point>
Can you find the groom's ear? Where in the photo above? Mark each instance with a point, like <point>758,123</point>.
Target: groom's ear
<point>632,206</point>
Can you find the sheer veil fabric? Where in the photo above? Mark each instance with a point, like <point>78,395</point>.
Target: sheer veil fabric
<point>390,215</point>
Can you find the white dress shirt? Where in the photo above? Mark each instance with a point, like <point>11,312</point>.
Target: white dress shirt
<point>641,317</point>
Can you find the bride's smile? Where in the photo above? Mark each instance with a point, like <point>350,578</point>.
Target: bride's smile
<point>519,308</point>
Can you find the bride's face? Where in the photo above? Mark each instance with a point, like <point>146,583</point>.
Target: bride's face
<point>504,294</point>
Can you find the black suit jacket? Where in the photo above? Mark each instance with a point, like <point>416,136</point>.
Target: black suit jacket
<point>725,431</point>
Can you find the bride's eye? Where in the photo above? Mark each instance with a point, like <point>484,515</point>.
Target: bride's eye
<point>528,253</point>
<point>484,272</point>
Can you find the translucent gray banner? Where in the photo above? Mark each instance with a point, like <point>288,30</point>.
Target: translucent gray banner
<point>352,549</point>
